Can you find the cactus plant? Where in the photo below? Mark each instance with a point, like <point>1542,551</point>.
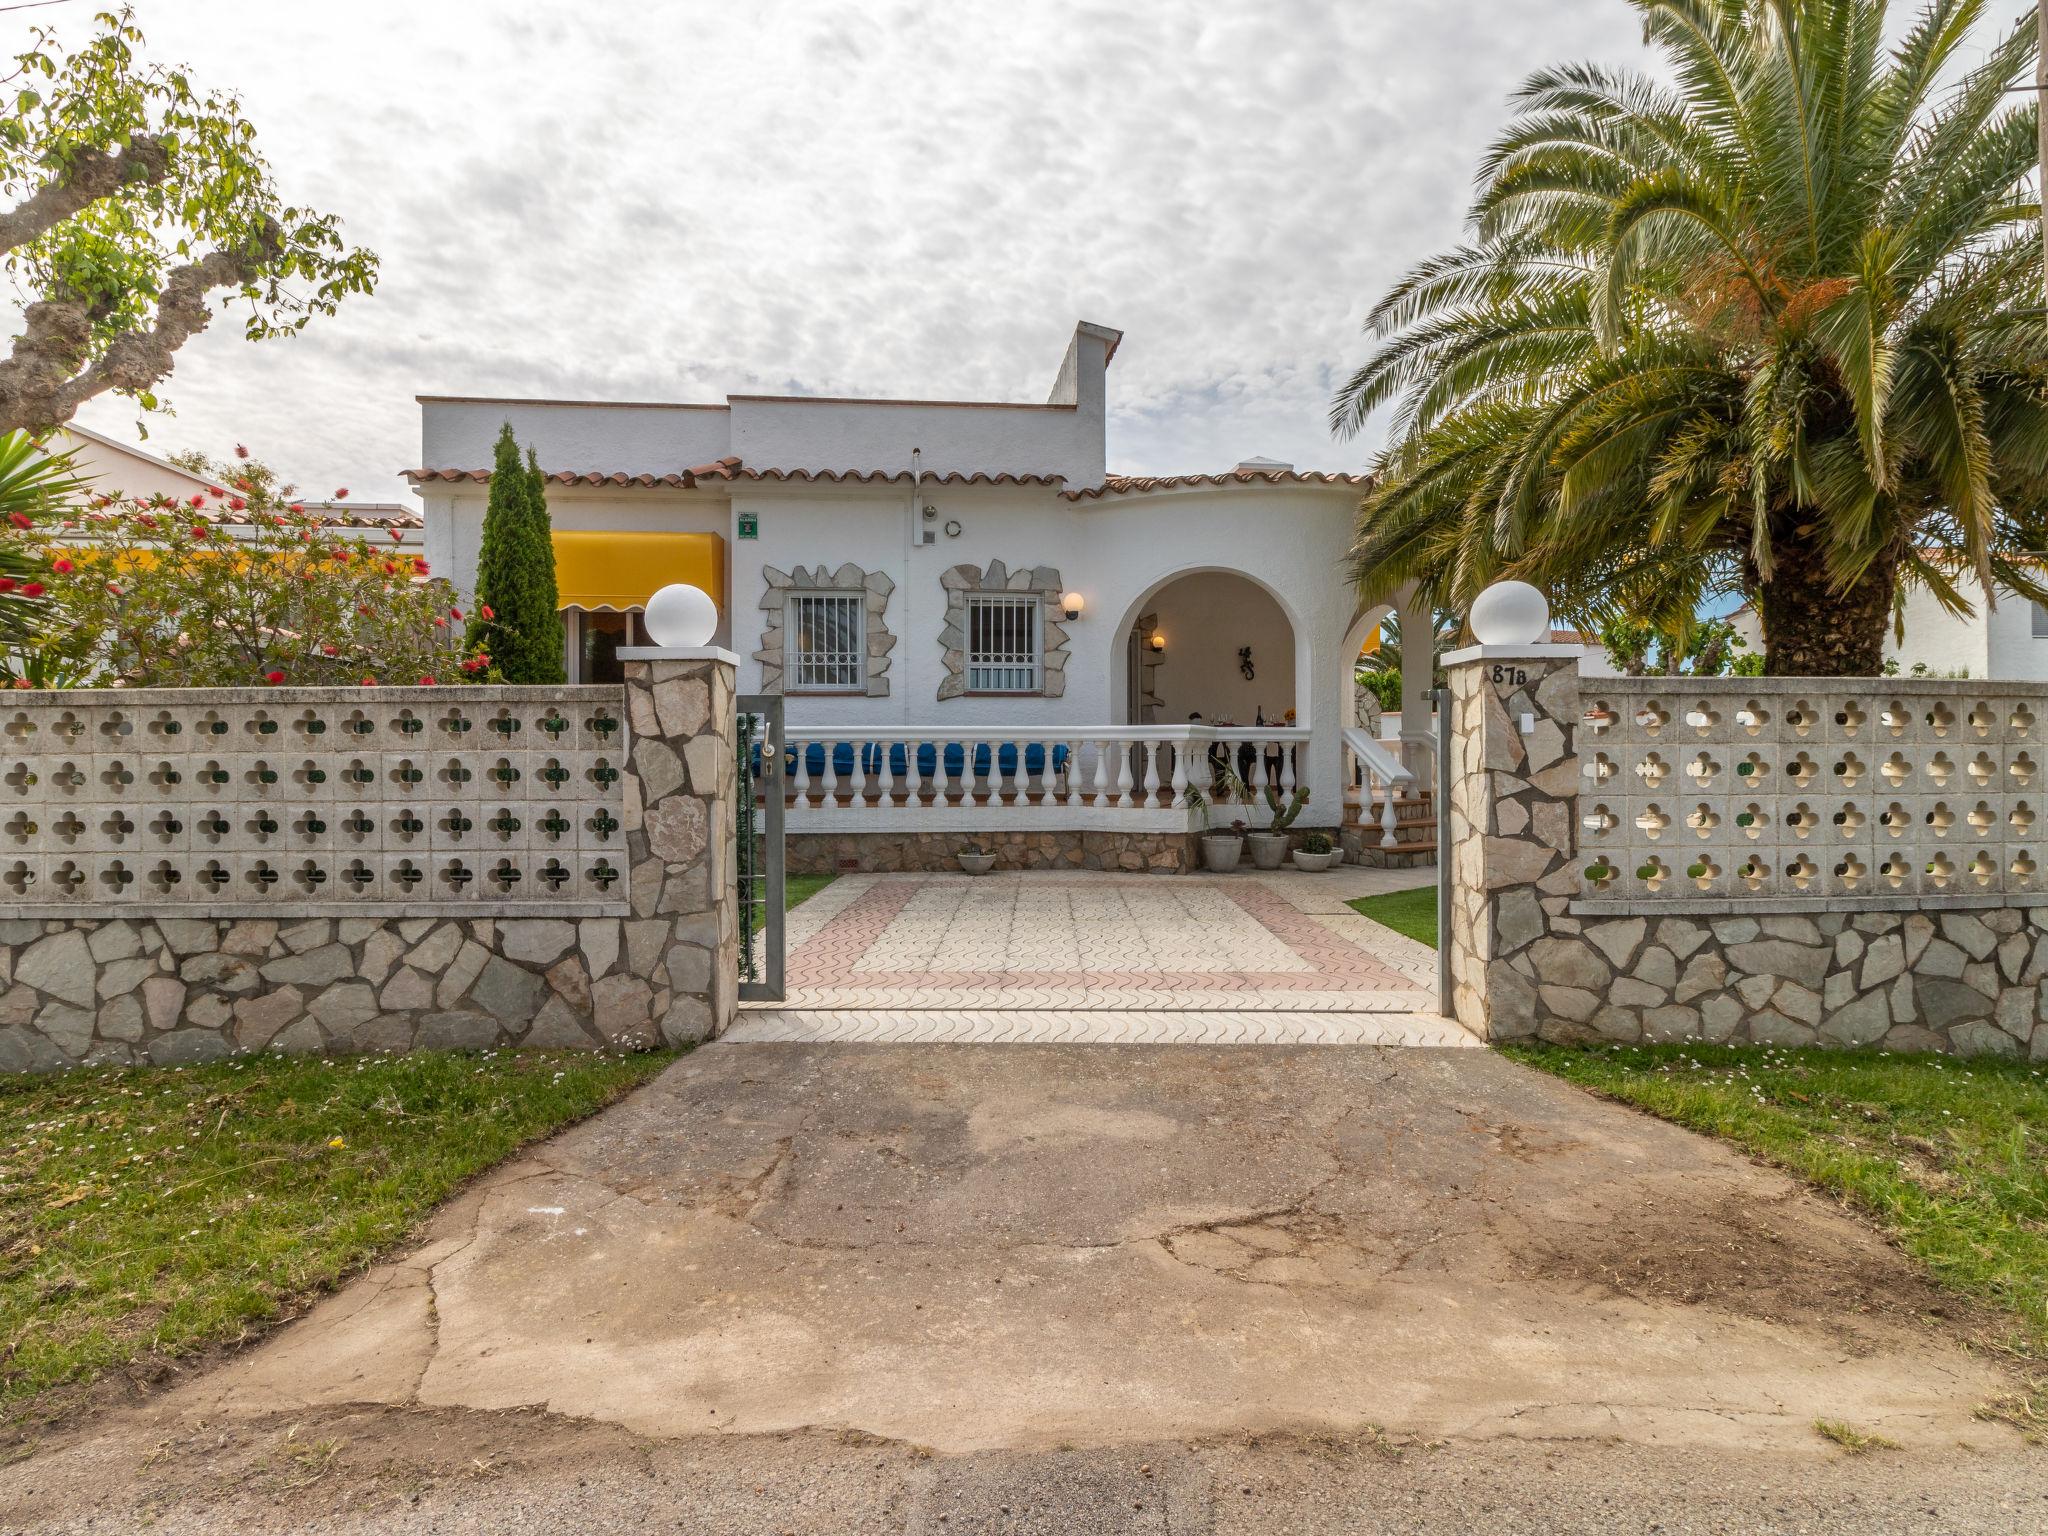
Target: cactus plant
<point>1283,815</point>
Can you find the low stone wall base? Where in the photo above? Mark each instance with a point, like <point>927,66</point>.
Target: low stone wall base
<point>1971,982</point>
<point>175,991</point>
<point>890,853</point>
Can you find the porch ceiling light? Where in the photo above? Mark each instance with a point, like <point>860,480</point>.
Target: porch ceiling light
<point>1073,603</point>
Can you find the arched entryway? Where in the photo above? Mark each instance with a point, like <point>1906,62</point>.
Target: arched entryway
<point>1213,644</point>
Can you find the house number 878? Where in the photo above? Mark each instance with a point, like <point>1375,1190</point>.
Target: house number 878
<point>1510,676</point>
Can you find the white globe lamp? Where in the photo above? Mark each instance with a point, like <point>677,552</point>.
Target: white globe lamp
<point>1510,613</point>
<point>680,617</point>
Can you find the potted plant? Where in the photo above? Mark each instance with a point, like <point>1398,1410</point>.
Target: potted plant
<point>1220,850</point>
<point>1269,848</point>
<point>1315,854</point>
<point>975,859</point>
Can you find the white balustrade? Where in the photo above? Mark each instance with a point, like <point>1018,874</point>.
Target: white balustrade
<point>1107,775</point>
<point>1384,777</point>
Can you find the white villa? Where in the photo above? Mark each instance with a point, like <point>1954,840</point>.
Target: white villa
<point>953,597</point>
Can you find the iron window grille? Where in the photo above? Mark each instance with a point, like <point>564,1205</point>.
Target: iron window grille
<point>1002,642</point>
<point>826,649</point>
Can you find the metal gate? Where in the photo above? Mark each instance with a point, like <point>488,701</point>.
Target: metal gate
<point>757,829</point>
<point>1441,698</point>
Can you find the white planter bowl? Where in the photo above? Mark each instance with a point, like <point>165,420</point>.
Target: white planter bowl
<point>1313,863</point>
<point>1220,853</point>
<point>976,863</point>
<point>1269,849</point>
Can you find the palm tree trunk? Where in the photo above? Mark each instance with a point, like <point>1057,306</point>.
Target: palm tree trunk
<point>1811,629</point>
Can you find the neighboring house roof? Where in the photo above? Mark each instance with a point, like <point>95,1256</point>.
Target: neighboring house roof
<point>729,470</point>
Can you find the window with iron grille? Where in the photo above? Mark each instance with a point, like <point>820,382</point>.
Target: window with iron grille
<point>826,644</point>
<point>1002,642</point>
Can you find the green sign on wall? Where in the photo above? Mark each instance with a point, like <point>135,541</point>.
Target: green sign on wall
<point>750,525</point>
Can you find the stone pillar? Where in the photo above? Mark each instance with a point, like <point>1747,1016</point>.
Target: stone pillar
<point>681,808</point>
<point>1511,829</point>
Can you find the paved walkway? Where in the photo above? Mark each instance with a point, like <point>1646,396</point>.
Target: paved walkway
<point>1088,958</point>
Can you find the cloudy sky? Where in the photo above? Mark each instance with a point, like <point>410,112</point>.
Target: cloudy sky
<point>680,199</point>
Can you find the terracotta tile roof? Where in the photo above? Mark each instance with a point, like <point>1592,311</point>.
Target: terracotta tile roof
<point>1120,485</point>
<point>728,470</point>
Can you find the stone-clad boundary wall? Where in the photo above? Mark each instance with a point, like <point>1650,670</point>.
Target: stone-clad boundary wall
<point>1848,862</point>
<point>497,866</point>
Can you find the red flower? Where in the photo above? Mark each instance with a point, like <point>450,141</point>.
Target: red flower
<point>214,490</point>
<point>342,494</point>
<point>62,567</point>
<point>241,452</point>
<point>236,504</point>
<point>113,590</point>
<point>369,682</point>
<point>397,536</point>
<point>198,501</point>
<point>390,569</point>
<point>7,583</point>
<point>299,507</point>
<point>439,622</point>
<point>419,565</point>
<point>31,589</point>
<point>199,530</point>
<point>454,613</point>
<point>273,677</point>
<point>21,520</point>
<point>363,609</point>
<point>22,682</point>
<point>427,682</point>
<point>146,520</point>
<point>486,611</point>
<point>328,650</point>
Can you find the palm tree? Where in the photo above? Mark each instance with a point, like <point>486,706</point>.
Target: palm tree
<point>34,487</point>
<point>1773,328</point>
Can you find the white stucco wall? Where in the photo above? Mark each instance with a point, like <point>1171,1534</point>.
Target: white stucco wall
<point>115,470</point>
<point>1064,437</point>
<point>1119,553</point>
<point>623,439</point>
<point>1206,619</point>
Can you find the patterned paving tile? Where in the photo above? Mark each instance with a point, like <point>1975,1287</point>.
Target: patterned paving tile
<point>1249,958</point>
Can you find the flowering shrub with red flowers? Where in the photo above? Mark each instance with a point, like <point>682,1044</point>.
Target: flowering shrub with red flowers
<point>247,588</point>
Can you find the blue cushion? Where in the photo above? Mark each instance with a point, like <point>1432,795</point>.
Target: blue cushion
<point>927,759</point>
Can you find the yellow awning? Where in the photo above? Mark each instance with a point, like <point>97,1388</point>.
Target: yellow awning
<point>603,569</point>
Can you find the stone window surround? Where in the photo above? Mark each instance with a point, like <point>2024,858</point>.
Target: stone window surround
<point>781,585</point>
<point>1045,582</point>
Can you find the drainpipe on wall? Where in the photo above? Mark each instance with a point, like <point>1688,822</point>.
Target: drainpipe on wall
<point>912,522</point>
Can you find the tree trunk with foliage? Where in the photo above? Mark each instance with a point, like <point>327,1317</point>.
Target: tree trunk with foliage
<point>517,621</point>
<point>1813,629</point>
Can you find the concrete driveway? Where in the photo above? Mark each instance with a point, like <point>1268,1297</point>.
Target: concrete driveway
<point>1030,1248</point>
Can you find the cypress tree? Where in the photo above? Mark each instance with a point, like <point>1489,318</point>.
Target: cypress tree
<point>515,573</point>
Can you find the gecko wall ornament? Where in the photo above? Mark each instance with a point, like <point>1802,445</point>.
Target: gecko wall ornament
<point>1244,661</point>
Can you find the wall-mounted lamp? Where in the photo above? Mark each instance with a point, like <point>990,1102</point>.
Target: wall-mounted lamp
<point>1158,641</point>
<point>1073,603</point>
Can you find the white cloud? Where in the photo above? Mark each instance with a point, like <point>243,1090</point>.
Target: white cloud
<point>676,199</point>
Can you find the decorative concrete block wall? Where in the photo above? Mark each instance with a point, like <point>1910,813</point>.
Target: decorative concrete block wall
<point>187,874</point>
<point>1787,861</point>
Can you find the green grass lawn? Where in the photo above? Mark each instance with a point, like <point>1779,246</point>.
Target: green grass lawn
<point>152,1212</point>
<point>797,888</point>
<point>1949,1157</point>
<point>1410,912</point>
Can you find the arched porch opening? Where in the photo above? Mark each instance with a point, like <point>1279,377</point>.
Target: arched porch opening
<point>1214,644</point>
